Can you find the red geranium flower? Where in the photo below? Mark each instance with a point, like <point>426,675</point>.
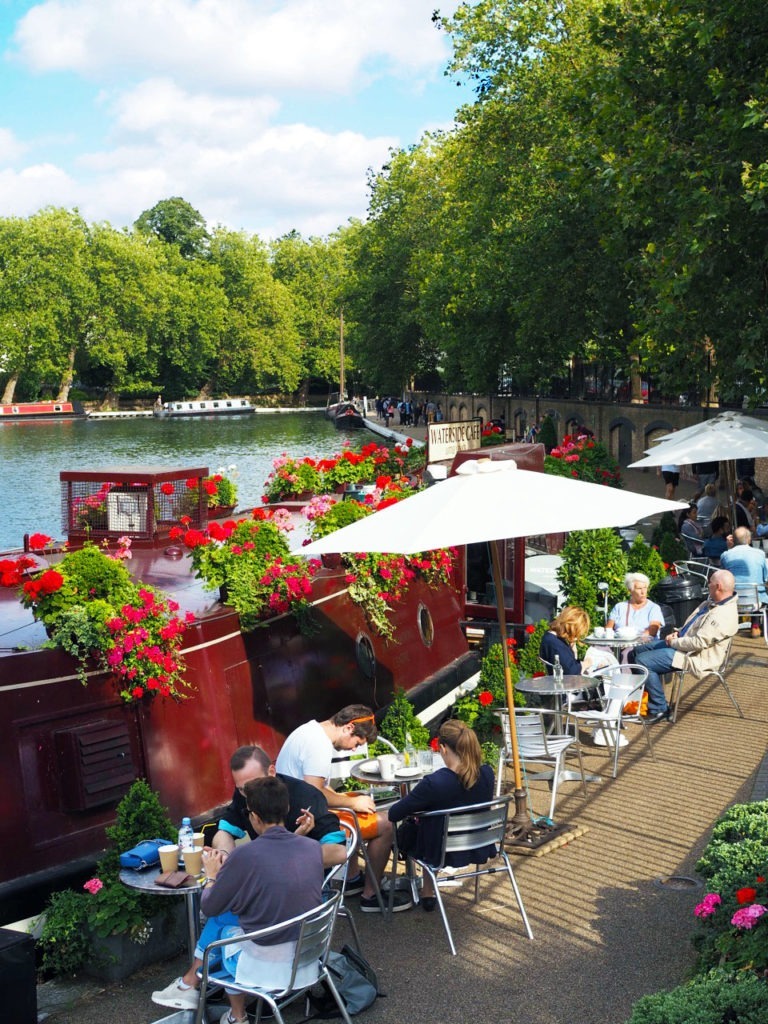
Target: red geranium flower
<point>166,488</point>
<point>38,541</point>
<point>51,581</point>
<point>530,629</point>
<point>746,895</point>
<point>434,743</point>
<point>485,698</point>
<point>192,484</point>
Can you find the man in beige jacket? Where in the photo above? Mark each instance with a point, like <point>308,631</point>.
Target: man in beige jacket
<point>698,646</point>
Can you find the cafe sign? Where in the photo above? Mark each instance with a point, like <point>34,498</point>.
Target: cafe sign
<point>445,439</point>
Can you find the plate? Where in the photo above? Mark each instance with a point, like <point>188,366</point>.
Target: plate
<point>626,634</point>
<point>407,773</point>
<point>369,767</point>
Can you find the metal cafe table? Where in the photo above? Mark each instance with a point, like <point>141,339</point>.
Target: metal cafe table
<point>556,691</point>
<point>144,881</point>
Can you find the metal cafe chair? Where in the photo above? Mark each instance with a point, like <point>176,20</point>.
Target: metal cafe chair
<point>537,746</point>
<point>467,829</point>
<point>308,967</point>
<point>362,848</point>
<point>336,880</point>
<point>750,606</point>
<point>719,673</point>
<point>622,685</point>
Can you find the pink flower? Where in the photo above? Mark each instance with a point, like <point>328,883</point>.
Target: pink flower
<point>93,886</point>
<point>707,906</point>
<point>747,917</point>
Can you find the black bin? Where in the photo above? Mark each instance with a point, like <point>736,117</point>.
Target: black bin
<point>17,977</point>
<point>683,594</point>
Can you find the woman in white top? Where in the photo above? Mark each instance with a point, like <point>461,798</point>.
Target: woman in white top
<point>646,616</point>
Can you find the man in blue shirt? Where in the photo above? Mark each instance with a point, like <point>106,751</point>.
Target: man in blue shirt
<point>748,564</point>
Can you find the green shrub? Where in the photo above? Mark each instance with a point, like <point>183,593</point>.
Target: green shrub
<point>641,557</point>
<point>547,434</point>
<point>528,660</point>
<point>591,557</point>
<point>713,999</point>
<point>400,722</point>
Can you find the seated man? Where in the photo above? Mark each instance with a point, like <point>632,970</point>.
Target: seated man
<point>697,646</point>
<point>308,754</point>
<point>748,564</point>
<point>307,815</point>
<point>259,884</point>
<point>717,542</point>
<point>252,762</point>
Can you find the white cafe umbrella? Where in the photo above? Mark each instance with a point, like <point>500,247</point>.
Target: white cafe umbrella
<point>489,501</point>
<point>717,440</point>
<point>717,423</point>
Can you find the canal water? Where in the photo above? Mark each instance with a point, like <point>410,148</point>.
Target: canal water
<point>33,454</point>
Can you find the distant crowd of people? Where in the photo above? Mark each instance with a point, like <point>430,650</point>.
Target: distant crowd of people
<point>410,414</point>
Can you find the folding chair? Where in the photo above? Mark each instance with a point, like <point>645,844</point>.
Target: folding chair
<point>719,673</point>
<point>336,880</point>
<point>309,962</point>
<point>467,829</point>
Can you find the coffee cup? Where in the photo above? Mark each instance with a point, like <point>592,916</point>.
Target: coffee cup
<point>388,764</point>
<point>169,857</point>
<point>199,840</point>
<point>600,631</point>
<point>609,632</point>
<point>193,860</point>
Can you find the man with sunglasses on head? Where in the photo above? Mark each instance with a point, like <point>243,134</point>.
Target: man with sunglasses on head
<point>308,754</point>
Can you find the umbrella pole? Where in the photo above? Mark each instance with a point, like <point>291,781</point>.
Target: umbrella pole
<point>521,822</point>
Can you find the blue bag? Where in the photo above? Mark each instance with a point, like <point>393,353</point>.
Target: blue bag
<point>143,855</point>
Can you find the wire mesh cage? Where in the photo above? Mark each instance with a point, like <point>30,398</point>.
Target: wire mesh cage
<point>141,504</point>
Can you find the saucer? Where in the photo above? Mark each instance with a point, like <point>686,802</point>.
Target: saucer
<point>407,773</point>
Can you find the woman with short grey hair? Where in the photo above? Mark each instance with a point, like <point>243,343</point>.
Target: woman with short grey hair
<point>641,613</point>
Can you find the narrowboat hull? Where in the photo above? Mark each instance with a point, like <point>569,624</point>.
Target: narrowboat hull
<point>207,407</point>
<point>21,412</point>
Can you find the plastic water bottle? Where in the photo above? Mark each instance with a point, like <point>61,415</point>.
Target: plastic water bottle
<point>186,835</point>
<point>557,670</point>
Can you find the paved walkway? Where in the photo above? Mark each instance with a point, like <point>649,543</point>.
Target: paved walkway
<point>606,930</point>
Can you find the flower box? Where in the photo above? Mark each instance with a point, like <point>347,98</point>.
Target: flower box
<point>220,511</point>
<point>119,956</point>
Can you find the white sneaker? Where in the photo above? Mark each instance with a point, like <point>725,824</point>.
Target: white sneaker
<point>227,1018</point>
<point>175,997</point>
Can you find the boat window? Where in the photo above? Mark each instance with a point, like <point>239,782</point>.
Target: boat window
<point>190,406</point>
<point>57,408</point>
<point>426,626</point>
<point>215,405</point>
<point>366,659</point>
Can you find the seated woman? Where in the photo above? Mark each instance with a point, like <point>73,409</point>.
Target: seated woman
<point>690,530</point>
<point>571,624</point>
<point>464,780</point>
<point>645,616</point>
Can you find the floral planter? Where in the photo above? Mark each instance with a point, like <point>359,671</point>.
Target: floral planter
<point>220,511</point>
<point>119,956</point>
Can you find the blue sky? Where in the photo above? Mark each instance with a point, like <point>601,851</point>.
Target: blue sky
<point>264,114</point>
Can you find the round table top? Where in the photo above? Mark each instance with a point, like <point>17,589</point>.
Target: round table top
<point>145,882</point>
<point>368,771</point>
<point>548,684</point>
<point>616,641</point>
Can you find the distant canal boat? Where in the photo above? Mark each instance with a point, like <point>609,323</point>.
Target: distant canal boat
<point>19,412</point>
<point>207,407</point>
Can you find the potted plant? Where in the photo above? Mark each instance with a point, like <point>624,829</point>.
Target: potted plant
<point>106,929</point>
<point>93,609</point>
<point>250,563</point>
<point>292,479</point>
<point>583,458</point>
<point>221,490</point>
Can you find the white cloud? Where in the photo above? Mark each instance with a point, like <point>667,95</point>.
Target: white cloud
<point>323,45</point>
<point>10,147</point>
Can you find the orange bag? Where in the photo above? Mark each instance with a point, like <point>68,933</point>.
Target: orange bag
<point>631,707</point>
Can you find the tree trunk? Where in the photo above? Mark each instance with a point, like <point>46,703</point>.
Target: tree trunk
<point>635,380</point>
<point>10,388</point>
<point>68,377</point>
<point>712,400</point>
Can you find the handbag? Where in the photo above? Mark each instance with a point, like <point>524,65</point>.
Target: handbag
<point>355,981</point>
<point>143,855</point>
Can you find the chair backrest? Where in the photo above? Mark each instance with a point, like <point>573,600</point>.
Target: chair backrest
<point>747,598</point>
<point>472,827</point>
<point>625,683</point>
<point>531,729</point>
<point>694,567</point>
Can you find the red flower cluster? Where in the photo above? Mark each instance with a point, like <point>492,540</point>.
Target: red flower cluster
<point>485,697</point>
<point>47,583</point>
<point>39,541</point>
<point>12,570</point>
<point>746,895</point>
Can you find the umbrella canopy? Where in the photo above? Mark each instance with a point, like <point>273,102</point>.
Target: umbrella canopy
<point>716,423</point>
<point>717,440</point>
<point>490,501</point>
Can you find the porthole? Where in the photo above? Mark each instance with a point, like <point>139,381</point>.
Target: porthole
<point>366,659</point>
<point>426,626</point>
